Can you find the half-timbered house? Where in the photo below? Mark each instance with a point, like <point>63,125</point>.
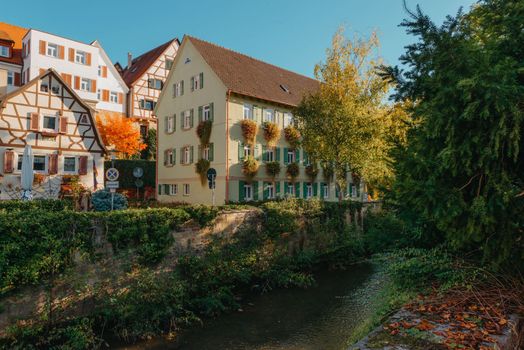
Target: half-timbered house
<point>47,114</point>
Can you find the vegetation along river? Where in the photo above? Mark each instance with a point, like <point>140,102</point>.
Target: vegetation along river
<point>320,317</point>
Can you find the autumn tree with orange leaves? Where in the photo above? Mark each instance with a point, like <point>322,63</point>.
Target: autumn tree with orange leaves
<point>121,134</point>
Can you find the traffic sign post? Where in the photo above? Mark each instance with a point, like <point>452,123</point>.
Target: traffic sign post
<point>138,172</point>
<point>112,175</point>
<point>211,179</point>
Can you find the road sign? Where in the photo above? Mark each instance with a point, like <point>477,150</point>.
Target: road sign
<point>211,177</point>
<point>138,172</point>
<point>139,183</point>
<point>112,184</point>
<point>112,174</point>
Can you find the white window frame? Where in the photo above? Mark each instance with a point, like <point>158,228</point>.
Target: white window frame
<point>196,82</point>
<point>80,57</point>
<point>290,156</point>
<point>43,123</point>
<point>5,51</point>
<point>173,189</point>
<point>170,124</point>
<point>205,153</point>
<point>45,163</point>
<point>113,97</point>
<point>70,171</point>
<point>271,191</point>
<point>248,192</point>
<point>248,112</point>
<point>291,189</point>
<point>206,112</point>
<point>52,50</point>
<point>85,84</point>
<point>288,119</point>
<point>187,189</point>
<point>269,115</point>
<point>325,191</point>
<point>247,151</point>
<point>187,119</point>
<point>309,190</point>
<point>270,155</point>
<point>187,155</point>
<point>178,89</point>
<point>10,78</point>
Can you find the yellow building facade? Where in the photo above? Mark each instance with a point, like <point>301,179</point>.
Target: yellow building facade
<point>211,83</point>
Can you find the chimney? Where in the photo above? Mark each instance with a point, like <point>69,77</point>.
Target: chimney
<point>129,59</point>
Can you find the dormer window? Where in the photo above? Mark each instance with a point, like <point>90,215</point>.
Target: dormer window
<point>5,51</point>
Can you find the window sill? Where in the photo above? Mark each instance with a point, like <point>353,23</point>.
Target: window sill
<point>49,133</point>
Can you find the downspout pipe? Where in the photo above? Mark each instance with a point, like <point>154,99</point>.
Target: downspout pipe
<point>228,96</point>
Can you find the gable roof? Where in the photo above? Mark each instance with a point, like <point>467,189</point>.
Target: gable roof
<point>141,64</point>
<point>110,66</point>
<point>15,34</point>
<point>251,77</point>
<point>54,73</point>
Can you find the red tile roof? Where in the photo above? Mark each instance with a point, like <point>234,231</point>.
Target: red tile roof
<point>140,64</point>
<point>9,32</point>
<point>251,77</point>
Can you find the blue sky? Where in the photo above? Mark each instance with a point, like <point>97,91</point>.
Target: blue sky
<point>289,33</point>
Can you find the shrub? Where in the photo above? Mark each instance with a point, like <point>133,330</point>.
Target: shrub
<point>292,170</point>
<point>292,136</point>
<point>312,171</point>
<point>249,131</point>
<point>273,168</point>
<point>203,214</point>
<point>271,133</point>
<point>327,171</point>
<point>250,167</point>
<point>102,201</point>
<point>201,168</point>
<point>44,204</point>
<point>203,131</point>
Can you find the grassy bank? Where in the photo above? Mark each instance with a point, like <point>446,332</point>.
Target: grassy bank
<point>292,239</point>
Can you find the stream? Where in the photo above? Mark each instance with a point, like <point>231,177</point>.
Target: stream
<point>320,317</point>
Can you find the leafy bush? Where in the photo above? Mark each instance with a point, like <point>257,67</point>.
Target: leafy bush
<point>292,170</point>
<point>271,133</point>
<point>250,167</point>
<point>292,136</point>
<point>102,201</point>
<point>312,171</point>
<point>203,131</point>
<point>249,131</point>
<point>327,171</point>
<point>203,214</point>
<point>273,168</point>
<point>201,168</point>
<point>44,204</point>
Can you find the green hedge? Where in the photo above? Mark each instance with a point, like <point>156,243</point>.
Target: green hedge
<point>126,166</point>
<point>45,204</point>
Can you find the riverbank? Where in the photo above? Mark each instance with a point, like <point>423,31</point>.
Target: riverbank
<point>136,298</point>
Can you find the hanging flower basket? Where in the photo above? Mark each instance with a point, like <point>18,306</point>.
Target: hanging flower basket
<point>271,133</point>
<point>203,131</point>
<point>250,167</point>
<point>201,168</point>
<point>273,169</point>
<point>38,179</point>
<point>312,171</point>
<point>249,131</point>
<point>292,136</point>
<point>292,170</point>
<point>327,171</point>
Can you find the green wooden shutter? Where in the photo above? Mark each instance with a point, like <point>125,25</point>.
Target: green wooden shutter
<point>277,154</point>
<point>159,189</point>
<point>181,88</point>
<point>165,157</point>
<point>211,111</point>
<point>192,84</point>
<point>277,188</point>
<point>182,120</point>
<point>191,118</point>
<point>191,155</point>
<point>174,122</point>
<point>264,153</point>
<point>266,190</point>
<point>255,190</point>
<point>286,160</point>
<point>201,80</point>
<point>240,151</point>
<point>174,156</point>
<point>211,152</point>
<point>200,113</point>
<point>241,193</point>
<point>304,189</point>
<point>315,189</point>
<point>297,155</point>
<point>297,189</point>
<point>165,126</point>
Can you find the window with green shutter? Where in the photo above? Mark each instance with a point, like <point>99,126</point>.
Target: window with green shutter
<point>297,155</point>
<point>304,189</point>
<point>200,113</point>
<point>211,111</point>
<point>286,160</point>
<point>211,156</point>
<point>191,155</point>
<point>255,190</point>
<point>266,190</point>
<point>297,189</point>
<point>277,154</point>
<point>241,195</point>
<point>277,188</point>
<point>240,151</point>
<point>192,117</point>
<point>315,189</point>
<point>201,80</point>
<point>264,153</point>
